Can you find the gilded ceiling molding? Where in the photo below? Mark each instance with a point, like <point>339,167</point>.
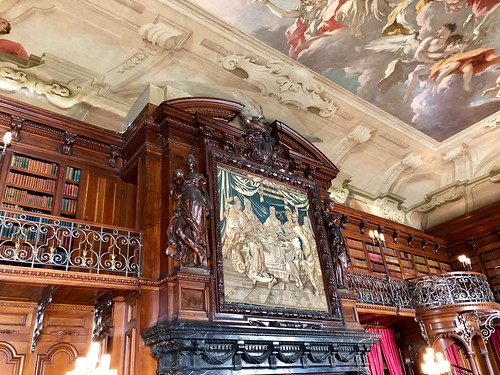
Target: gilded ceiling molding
<point>339,190</point>
<point>290,85</point>
<point>460,157</point>
<point>359,134</point>
<point>441,197</point>
<point>165,34</point>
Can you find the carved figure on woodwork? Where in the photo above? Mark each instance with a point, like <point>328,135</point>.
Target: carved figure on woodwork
<point>187,230</point>
<point>338,247</point>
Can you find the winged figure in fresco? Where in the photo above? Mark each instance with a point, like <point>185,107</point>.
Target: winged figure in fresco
<point>447,52</point>
<point>313,19</point>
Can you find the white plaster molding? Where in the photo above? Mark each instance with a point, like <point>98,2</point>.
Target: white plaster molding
<point>492,122</point>
<point>13,79</point>
<point>291,85</point>
<point>359,134</point>
<point>412,160</point>
<point>495,175</point>
<point>441,197</point>
<point>166,35</point>
<point>460,156</point>
<point>389,208</point>
<point>339,190</point>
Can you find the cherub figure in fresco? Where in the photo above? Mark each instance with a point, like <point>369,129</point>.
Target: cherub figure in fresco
<point>313,19</point>
<point>494,88</point>
<point>8,46</point>
<point>430,50</point>
<point>466,63</point>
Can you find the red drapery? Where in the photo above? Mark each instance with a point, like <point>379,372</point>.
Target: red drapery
<point>389,348</point>
<point>454,357</point>
<point>495,342</point>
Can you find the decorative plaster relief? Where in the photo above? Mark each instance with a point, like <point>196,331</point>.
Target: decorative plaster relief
<point>166,35</point>
<point>441,197</point>
<point>461,159</point>
<point>412,160</point>
<point>288,84</point>
<point>14,79</point>
<point>359,134</point>
<point>389,208</point>
<point>492,122</point>
<point>132,62</point>
<point>339,190</point>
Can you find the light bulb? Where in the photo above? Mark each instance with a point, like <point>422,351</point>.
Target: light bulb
<point>7,138</point>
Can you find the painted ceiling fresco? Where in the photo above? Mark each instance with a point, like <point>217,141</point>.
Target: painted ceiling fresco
<point>431,64</point>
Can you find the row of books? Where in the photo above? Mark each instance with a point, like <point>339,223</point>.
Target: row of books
<point>21,208</point>
<point>24,196</point>
<point>38,166</point>
<point>31,182</point>
<point>69,205</point>
<point>73,174</point>
<point>15,232</point>
<point>71,190</point>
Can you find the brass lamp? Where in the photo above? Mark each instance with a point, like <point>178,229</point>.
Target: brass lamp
<point>93,364</point>
<point>434,363</point>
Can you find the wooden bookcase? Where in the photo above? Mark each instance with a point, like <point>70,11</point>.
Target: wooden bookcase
<point>41,186</point>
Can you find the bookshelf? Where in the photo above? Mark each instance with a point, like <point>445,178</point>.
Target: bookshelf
<point>71,189</point>
<point>33,185</point>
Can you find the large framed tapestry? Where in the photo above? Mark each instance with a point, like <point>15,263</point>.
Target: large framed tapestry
<point>269,260</point>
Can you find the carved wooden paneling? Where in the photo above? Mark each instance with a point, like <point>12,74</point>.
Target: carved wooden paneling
<point>129,352</point>
<point>58,360</point>
<point>11,363</point>
<point>101,202</point>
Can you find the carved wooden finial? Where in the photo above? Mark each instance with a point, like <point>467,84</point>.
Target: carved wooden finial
<point>69,139</point>
<point>114,152</point>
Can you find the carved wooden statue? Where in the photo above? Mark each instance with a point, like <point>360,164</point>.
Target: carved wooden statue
<point>187,230</point>
<point>338,247</point>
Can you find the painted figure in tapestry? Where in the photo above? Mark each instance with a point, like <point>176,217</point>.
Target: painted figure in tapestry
<point>269,239</point>
<point>187,230</point>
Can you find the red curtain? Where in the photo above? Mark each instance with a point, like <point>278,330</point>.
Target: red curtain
<point>389,348</point>
<point>495,342</point>
<point>454,357</point>
<point>375,362</point>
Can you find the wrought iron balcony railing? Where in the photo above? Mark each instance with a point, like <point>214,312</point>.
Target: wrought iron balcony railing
<point>426,291</point>
<point>451,288</point>
<point>378,291</point>
<point>33,240</point>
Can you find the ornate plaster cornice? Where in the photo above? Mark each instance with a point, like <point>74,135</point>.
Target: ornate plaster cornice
<point>289,84</point>
<point>165,34</point>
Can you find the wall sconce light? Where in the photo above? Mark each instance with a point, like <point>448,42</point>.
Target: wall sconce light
<point>466,263</point>
<point>92,364</point>
<point>7,138</point>
<point>376,236</point>
<point>434,363</point>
